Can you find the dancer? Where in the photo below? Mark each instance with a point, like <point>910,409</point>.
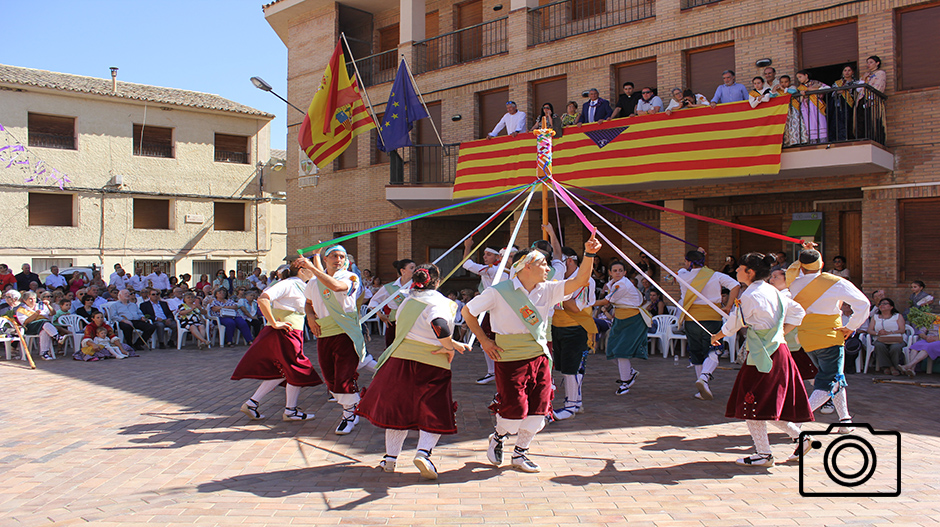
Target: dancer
<point>520,311</point>
<point>411,389</point>
<point>405,268</point>
<point>487,272</point>
<point>768,386</point>
<point>706,283</point>
<point>573,333</point>
<point>628,333</point>
<point>333,319</point>
<point>277,354</point>
<point>821,333</point>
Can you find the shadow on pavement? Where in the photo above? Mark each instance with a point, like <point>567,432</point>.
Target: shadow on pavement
<point>670,475</point>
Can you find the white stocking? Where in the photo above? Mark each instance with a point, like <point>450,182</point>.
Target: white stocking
<point>490,364</point>
<point>841,404</point>
<point>293,392</point>
<point>710,364</point>
<point>394,439</point>
<point>698,370</point>
<point>791,429</point>
<point>817,399</point>
<point>758,430</point>
<point>427,440</point>
<point>626,369</point>
<point>572,390</point>
<point>346,400</point>
<point>507,426</point>
<point>528,428</point>
<point>265,388</point>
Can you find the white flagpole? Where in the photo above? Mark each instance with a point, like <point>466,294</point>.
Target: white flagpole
<point>415,86</point>
<point>362,87</point>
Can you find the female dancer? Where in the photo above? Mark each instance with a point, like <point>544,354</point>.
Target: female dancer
<point>768,386</point>
<point>277,355</point>
<point>628,335</point>
<point>411,387</point>
<point>405,268</point>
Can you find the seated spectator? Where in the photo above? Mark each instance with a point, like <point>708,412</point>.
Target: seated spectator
<point>34,287</point>
<point>130,317</point>
<point>241,281</point>
<point>6,277</point>
<point>571,117</point>
<point>160,315</point>
<point>227,311</point>
<point>770,78</point>
<point>207,291</point>
<point>760,93</point>
<point>551,120</point>
<point>102,343</point>
<point>596,110</point>
<point>649,103</point>
<point>730,91</point>
<point>175,299</point>
<point>928,345</point>
<point>11,300</point>
<point>231,282</point>
<point>255,278</point>
<point>98,301</point>
<point>780,259</point>
<point>76,283</point>
<point>919,297</point>
<point>513,121</point>
<point>626,103</point>
<point>65,308</point>
<point>96,323</point>
<point>274,277</point>
<point>174,282</point>
<point>262,282</point>
<point>887,332</point>
<point>731,266</point>
<point>86,307</point>
<point>24,278</point>
<point>203,282</point>
<point>876,297</point>
<point>97,281</point>
<point>30,315</point>
<point>159,280</point>
<point>248,307</point>
<point>185,278</point>
<point>838,267</point>
<point>192,318</point>
<point>690,99</point>
<point>655,304</point>
<point>55,280</point>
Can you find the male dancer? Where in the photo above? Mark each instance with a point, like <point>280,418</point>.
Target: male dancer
<point>520,311</point>
<point>486,271</point>
<point>573,329</point>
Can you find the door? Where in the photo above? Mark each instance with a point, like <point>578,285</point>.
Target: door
<point>746,242</point>
<point>492,107</point>
<point>386,252</point>
<point>470,42</point>
<point>850,243</point>
<point>430,168</point>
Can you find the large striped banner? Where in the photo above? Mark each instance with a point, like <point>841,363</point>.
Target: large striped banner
<point>731,140</point>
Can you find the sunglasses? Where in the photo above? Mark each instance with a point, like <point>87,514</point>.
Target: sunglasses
<point>644,93</point>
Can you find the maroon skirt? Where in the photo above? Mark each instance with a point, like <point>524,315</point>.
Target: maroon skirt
<point>410,395</point>
<point>277,354</point>
<point>778,395</point>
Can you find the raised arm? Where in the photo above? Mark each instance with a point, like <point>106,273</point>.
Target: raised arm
<point>587,265</point>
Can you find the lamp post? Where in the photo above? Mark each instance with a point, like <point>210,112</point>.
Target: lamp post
<point>264,86</point>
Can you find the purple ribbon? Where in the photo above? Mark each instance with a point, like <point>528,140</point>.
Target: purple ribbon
<point>624,216</point>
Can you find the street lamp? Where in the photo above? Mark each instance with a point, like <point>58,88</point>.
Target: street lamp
<point>274,165</point>
<point>264,86</point>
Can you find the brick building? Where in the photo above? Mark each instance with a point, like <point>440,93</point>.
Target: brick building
<point>873,195</point>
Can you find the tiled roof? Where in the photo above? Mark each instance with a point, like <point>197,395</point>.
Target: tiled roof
<point>125,90</point>
<point>279,154</point>
<point>265,6</point>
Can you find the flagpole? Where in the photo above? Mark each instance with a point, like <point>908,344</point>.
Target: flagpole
<point>378,125</point>
<point>415,86</point>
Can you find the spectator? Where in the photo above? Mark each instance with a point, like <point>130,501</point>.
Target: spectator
<point>263,282</point>
<point>868,116</point>
<point>626,103</point>
<point>760,93</point>
<point>55,280</point>
<point>86,306</point>
<point>655,305</point>
<point>248,306</point>
<point>130,317</point>
<point>34,322</point>
<point>795,132</point>
<point>649,103</point>
<point>93,292</point>
<point>91,333</point>
<point>138,282</point>
<point>690,99</point>
<point>876,297</point>
<point>813,107</point>
<point>227,312</point>
<point>34,287</point>
<point>97,281</point>
<point>842,107</point>
<point>241,281</point>
<point>184,280</point>
<point>231,281</point>
<point>731,266</point>
<point>175,300</point>
<point>255,278</point>
<point>919,297</point>
<point>730,91</point>
<point>24,278</point>
<point>513,121</point>
<point>207,291</point>
<point>160,315</point>
<point>571,117</point>
<point>838,267</point>
<point>65,308</point>
<point>203,282</point>
<point>273,277</point>
<point>780,259</point>
<point>770,78</point>
<point>191,317</point>
<point>887,331</point>
<point>174,283</point>
<point>928,345</point>
<point>11,301</point>
<point>675,103</point>
<point>596,109</point>
<point>551,120</point>
<point>6,277</point>
<point>118,278</point>
<point>159,280</point>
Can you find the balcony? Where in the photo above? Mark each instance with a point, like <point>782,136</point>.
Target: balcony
<point>427,178</point>
<point>567,18</point>
<point>471,43</point>
<point>64,142</point>
<point>153,150</point>
<point>376,69</point>
<point>689,4</point>
<point>230,157</point>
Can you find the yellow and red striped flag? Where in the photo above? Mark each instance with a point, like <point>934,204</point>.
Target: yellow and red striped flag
<point>731,140</point>
<point>336,114</point>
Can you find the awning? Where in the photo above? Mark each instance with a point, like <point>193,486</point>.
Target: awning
<point>800,228</point>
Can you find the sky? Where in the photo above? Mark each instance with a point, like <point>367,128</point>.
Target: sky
<point>212,46</point>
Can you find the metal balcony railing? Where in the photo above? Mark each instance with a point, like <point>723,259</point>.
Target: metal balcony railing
<point>153,150</point>
<point>471,43</point>
<point>429,165</point>
<point>376,69</point>
<point>854,112</point>
<point>64,142</point>
<point>689,4</point>
<point>231,157</point>
<point>573,17</point>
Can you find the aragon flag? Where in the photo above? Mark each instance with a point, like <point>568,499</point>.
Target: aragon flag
<point>336,115</point>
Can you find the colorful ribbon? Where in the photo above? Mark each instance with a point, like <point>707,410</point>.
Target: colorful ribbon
<point>638,222</point>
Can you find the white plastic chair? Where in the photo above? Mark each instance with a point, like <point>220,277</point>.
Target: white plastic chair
<point>377,324</point>
<point>910,336</point>
<point>76,325</point>
<point>7,340</point>
<point>672,310</point>
<point>665,334</point>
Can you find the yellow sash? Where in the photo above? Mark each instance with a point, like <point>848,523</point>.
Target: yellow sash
<point>820,331</point>
<point>698,283</point>
<point>563,318</point>
<point>329,327</point>
<point>815,289</point>
<point>421,352</point>
<point>296,320</point>
<point>624,313</point>
<point>520,346</point>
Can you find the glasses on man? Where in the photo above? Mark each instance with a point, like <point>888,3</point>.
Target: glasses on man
<point>646,92</point>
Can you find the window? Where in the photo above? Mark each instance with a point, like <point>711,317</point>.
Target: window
<point>350,157</point>
<point>704,67</point>
<point>918,40</point>
<point>232,148</point>
<point>351,245</point>
<point>39,265</point>
<point>51,131</point>
<point>432,23</point>
<point>245,266</point>
<point>470,43</point>
<point>153,141</point>
<point>641,73</point>
<point>209,267</point>
<point>388,41</point>
<point>149,266</point>
<point>378,157</point>
<point>429,159</point>
<point>449,262</point>
<point>151,213</point>
<point>824,51</point>
<point>554,91</point>
<point>492,106</point>
<point>52,210</point>
<point>919,231</point>
<point>229,216</point>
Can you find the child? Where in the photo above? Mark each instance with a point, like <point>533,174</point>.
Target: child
<point>65,308</point>
<point>101,342</point>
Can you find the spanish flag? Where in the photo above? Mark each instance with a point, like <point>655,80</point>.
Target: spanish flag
<point>336,114</point>
<point>731,140</point>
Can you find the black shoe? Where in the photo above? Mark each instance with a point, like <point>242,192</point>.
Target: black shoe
<point>163,346</point>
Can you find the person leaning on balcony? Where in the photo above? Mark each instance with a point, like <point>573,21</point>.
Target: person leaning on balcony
<point>842,107</point>
<point>770,78</point>
<point>571,116</point>
<point>649,103</point>
<point>596,110</point>
<point>867,118</point>
<point>626,103</point>
<point>551,120</point>
<point>687,99</point>
<point>730,91</point>
<point>513,121</point>
<point>760,93</point>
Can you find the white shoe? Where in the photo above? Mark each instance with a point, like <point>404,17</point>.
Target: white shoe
<point>827,408</point>
<point>846,427</point>
<point>522,463</point>
<point>757,460</point>
<point>494,452</point>
<point>703,389</point>
<point>424,464</point>
<point>368,362</point>
<point>388,463</point>
<point>251,410</point>
<point>294,414</point>
<point>486,379</point>
<point>698,396</point>
<point>347,424</point>
<point>632,380</point>
<point>569,410</point>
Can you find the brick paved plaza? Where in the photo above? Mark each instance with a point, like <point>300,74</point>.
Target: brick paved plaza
<point>158,440</point>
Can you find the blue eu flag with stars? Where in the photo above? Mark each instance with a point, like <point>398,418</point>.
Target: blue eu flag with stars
<point>402,110</point>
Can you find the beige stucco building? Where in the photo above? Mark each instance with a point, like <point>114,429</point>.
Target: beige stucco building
<point>159,176</point>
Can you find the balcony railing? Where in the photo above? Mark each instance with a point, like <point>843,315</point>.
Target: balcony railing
<point>471,43</point>
<point>429,165</point>
<point>836,115</point>
<point>231,157</point>
<point>689,4</point>
<point>153,150</point>
<point>574,17</point>
<point>376,69</point>
<point>65,142</point>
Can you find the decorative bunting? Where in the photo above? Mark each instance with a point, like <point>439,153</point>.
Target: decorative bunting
<point>606,136</point>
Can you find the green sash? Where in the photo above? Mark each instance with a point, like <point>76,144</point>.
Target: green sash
<point>762,343</point>
<point>392,289</point>
<point>525,310</point>
<point>339,319</point>
<point>409,314</point>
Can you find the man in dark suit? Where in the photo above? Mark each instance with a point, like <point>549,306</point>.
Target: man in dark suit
<point>160,315</point>
<point>23,279</point>
<point>596,110</point>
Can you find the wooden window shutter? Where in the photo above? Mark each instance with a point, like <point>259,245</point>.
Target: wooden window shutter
<point>919,233</point>
<point>639,73</point>
<point>828,46</point>
<point>704,69</point>
<point>492,107</point>
<point>918,39</point>
<point>554,91</point>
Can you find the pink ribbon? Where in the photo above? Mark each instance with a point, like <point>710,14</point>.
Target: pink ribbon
<point>571,205</point>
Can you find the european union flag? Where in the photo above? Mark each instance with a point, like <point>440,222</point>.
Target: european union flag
<point>402,110</point>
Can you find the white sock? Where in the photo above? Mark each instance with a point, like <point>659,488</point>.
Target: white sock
<point>698,370</point>
<point>572,390</point>
<point>346,399</point>
<point>711,363</point>
<point>427,440</point>
<point>117,354</point>
<point>758,430</point>
<point>507,426</point>
<point>265,388</point>
<point>490,364</point>
<point>841,404</point>
<point>293,392</point>
<point>791,429</point>
<point>817,399</point>
<point>525,438</point>
<point>626,369</point>
<point>394,439</point>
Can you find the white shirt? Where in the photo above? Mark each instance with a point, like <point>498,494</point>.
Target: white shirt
<point>584,297</point>
<point>891,324</point>
<point>830,303</point>
<point>511,122</point>
<point>759,304</point>
<point>174,303</point>
<point>288,295</point>
<point>841,274</point>
<point>381,294</point>
<point>158,311</point>
<point>503,319</point>
<point>161,281</point>
<point>486,272</point>
<point>255,281</point>
<point>56,280</point>
<point>712,289</point>
<point>645,106</point>
<point>137,282</point>
<point>677,105</point>
<point>439,306</point>
<point>624,294</point>
<point>118,280</point>
<point>346,298</point>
